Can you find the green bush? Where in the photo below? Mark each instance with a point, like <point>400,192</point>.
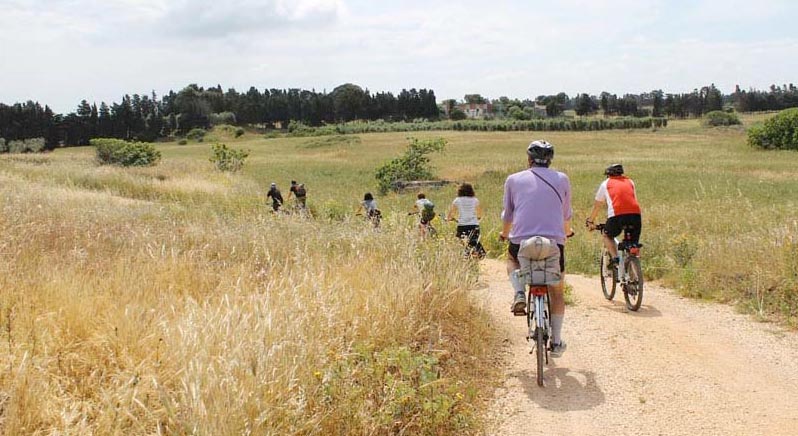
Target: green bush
<point>504,125</point>
<point>240,132</point>
<point>779,132</point>
<point>112,151</point>
<point>196,134</point>
<point>182,142</point>
<point>222,118</point>
<point>721,118</point>
<point>458,114</point>
<point>228,159</point>
<point>31,145</point>
<point>412,165</point>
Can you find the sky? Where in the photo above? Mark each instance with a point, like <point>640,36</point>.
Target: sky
<point>59,52</point>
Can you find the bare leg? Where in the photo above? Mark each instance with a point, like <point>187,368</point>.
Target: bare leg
<point>557,310</point>
<point>612,247</point>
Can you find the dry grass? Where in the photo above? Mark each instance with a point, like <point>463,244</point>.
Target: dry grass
<point>168,300</point>
<point>198,315</point>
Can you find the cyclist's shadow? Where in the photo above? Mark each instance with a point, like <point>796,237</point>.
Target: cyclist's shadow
<point>564,390</point>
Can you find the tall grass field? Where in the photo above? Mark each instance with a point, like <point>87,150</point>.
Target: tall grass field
<point>170,300</point>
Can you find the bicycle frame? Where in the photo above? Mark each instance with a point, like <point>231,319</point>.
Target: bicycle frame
<point>538,300</point>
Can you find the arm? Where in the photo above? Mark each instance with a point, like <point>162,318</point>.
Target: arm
<point>450,215</point>
<point>507,214</point>
<point>506,227</point>
<point>591,220</point>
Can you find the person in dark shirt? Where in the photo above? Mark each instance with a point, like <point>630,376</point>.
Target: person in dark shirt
<point>276,196</point>
<point>299,192</point>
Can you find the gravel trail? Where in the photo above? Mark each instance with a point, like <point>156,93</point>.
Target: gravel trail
<point>676,367</point>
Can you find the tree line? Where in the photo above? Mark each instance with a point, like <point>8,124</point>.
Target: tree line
<point>148,117</point>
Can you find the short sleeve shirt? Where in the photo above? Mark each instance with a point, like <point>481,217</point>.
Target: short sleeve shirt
<point>466,211</point>
<point>619,194</point>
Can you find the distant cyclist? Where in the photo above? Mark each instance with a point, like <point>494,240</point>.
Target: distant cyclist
<point>537,202</point>
<point>623,210</point>
<point>299,192</point>
<point>276,196</point>
<point>426,211</point>
<point>369,207</point>
<point>468,212</point>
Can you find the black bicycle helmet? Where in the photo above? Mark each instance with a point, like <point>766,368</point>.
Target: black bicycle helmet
<point>541,152</point>
<point>614,170</point>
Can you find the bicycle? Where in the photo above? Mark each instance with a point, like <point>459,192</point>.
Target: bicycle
<point>628,272</point>
<point>375,218</point>
<point>429,229</point>
<point>540,267</point>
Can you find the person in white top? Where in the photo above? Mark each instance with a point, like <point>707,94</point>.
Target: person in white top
<point>468,212</point>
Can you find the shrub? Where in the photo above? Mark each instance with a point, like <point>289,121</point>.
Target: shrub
<point>32,145</point>
<point>779,132</point>
<point>239,132</point>
<point>412,165</point>
<point>3,146</point>
<point>222,118</point>
<point>196,134</point>
<point>721,118</point>
<point>457,114</point>
<point>504,125</point>
<point>127,154</point>
<point>228,159</point>
<point>182,142</point>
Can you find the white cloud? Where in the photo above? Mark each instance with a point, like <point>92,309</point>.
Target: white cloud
<point>74,49</point>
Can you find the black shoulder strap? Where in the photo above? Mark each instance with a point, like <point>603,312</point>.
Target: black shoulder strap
<point>550,185</point>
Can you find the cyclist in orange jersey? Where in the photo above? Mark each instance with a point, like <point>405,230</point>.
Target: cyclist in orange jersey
<point>623,209</point>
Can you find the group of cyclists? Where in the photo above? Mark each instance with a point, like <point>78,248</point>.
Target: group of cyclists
<point>297,191</point>
<point>536,203</point>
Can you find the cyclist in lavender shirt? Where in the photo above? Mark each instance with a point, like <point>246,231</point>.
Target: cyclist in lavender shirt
<point>537,202</point>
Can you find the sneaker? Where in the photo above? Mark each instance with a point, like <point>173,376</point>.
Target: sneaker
<point>519,305</point>
<point>556,350</point>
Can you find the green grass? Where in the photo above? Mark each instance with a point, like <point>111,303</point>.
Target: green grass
<point>166,298</point>
<point>718,216</point>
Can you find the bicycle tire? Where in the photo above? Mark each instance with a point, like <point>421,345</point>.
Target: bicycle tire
<point>540,351</point>
<point>633,290</point>
<point>607,274</point>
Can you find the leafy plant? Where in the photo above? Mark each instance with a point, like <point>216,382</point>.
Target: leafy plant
<point>721,118</point>
<point>196,134</point>
<point>228,159</point>
<point>32,145</point>
<point>239,132</point>
<point>182,142</point>
<point>458,114</point>
<point>127,154</point>
<point>412,165</point>
<point>779,132</point>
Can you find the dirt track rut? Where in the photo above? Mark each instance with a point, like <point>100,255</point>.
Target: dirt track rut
<point>676,367</point>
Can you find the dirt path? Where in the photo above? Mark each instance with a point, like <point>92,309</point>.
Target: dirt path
<point>677,367</point>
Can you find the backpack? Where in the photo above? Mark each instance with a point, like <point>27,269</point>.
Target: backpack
<point>300,191</point>
<point>428,211</point>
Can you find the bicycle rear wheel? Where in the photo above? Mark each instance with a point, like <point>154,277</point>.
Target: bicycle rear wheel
<point>540,351</point>
<point>633,290</point>
<point>608,276</point>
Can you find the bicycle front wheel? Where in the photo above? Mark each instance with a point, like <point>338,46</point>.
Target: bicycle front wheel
<point>608,276</point>
<point>633,291</point>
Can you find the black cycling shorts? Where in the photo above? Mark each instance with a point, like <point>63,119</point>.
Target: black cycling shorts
<point>512,250</point>
<point>618,223</point>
